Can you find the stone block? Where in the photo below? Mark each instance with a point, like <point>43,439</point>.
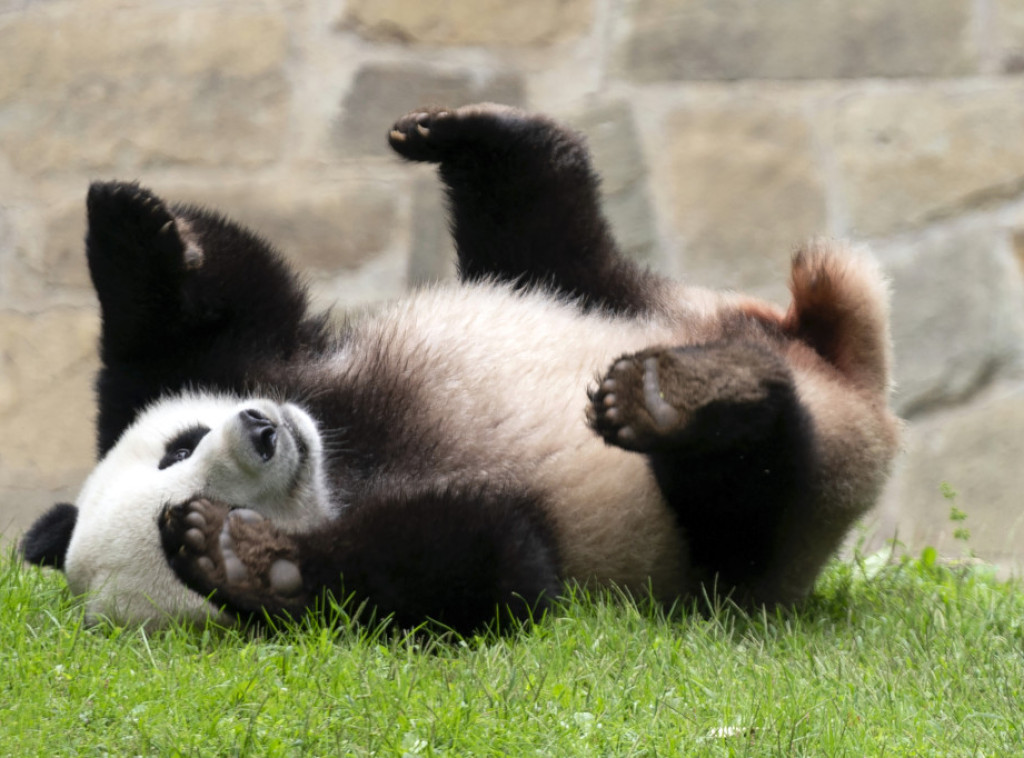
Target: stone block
<point>744,192</point>
<point>906,156</point>
<point>496,23</point>
<point>381,93</point>
<point>798,39</point>
<point>8,250</point>
<point>977,450</point>
<point>139,88</point>
<point>958,313</point>
<point>63,260</point>
<point>611,134</point>
<point>47,364</point>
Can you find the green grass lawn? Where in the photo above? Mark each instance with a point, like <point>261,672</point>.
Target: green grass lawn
<point>909,658</point>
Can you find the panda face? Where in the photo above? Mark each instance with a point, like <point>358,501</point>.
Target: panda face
<point>250,453</point>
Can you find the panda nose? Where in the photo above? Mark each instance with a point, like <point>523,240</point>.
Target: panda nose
<point>262,432</point>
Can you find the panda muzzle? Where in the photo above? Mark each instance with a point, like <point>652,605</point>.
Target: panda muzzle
<point>262,432</point>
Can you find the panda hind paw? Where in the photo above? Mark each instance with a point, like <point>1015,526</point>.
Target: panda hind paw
<point>629,409</point>
<point>234,556</point>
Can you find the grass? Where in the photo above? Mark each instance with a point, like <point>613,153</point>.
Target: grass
<point>906,658</point>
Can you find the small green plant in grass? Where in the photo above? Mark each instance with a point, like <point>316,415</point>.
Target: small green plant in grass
<point>956,515</point>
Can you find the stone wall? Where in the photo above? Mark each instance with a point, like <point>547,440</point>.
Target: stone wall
<point>726,130</point>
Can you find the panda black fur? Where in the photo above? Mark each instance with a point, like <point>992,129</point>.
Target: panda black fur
<point>559,414</point>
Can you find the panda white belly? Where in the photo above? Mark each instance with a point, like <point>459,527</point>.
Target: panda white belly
<point>503,380</point>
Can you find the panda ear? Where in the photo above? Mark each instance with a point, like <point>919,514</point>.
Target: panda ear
<point>46,541</point>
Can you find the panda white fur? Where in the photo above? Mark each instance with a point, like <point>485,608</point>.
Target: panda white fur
<point>455,456</point>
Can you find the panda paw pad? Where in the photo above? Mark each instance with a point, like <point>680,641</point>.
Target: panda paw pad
<point>629,407</point>
<point>234,555</point>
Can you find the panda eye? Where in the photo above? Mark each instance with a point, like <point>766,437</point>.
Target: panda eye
<point>182,446</point>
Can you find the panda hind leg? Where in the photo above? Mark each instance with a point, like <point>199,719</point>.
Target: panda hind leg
<point>731,446</point>
<point>702,399</point>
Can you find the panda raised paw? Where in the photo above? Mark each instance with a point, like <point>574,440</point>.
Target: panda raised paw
<point>434,135</point>
<point>135,220</point>
<point>234,556</point>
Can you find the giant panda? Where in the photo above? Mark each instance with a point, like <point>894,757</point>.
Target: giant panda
<point>558,414</point>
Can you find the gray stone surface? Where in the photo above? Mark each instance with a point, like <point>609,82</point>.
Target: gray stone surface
<point>745,190</point>
<point>63,258</point>
<point>481,22</point>
<point>431,251</point>
<point>907,156</point>
<point>796,39</point>
<point>381,93</point>
<point>47,362</point>
<point>8,246</point>
<point>958,310</point>
<point>976,450</point>
<point>611,133</point>
<point>207,85</point>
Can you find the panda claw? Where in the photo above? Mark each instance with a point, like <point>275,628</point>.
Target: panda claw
<point>436,134</point>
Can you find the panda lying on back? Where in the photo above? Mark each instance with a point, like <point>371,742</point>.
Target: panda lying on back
<point>558,414</point>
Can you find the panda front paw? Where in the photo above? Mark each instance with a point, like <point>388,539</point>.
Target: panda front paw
<point>235,557</point>
<point>434,135</point>
<point>127,203</point>
<point>137,251</point>
<point>126,220</point>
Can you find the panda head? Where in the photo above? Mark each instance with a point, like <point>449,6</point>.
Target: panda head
<point>250,453</point>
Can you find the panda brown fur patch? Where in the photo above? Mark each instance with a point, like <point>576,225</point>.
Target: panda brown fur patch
<point>840,309</point>
<point>559,414</point>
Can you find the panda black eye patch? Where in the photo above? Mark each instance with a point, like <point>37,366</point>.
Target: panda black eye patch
<point>182,445</point>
